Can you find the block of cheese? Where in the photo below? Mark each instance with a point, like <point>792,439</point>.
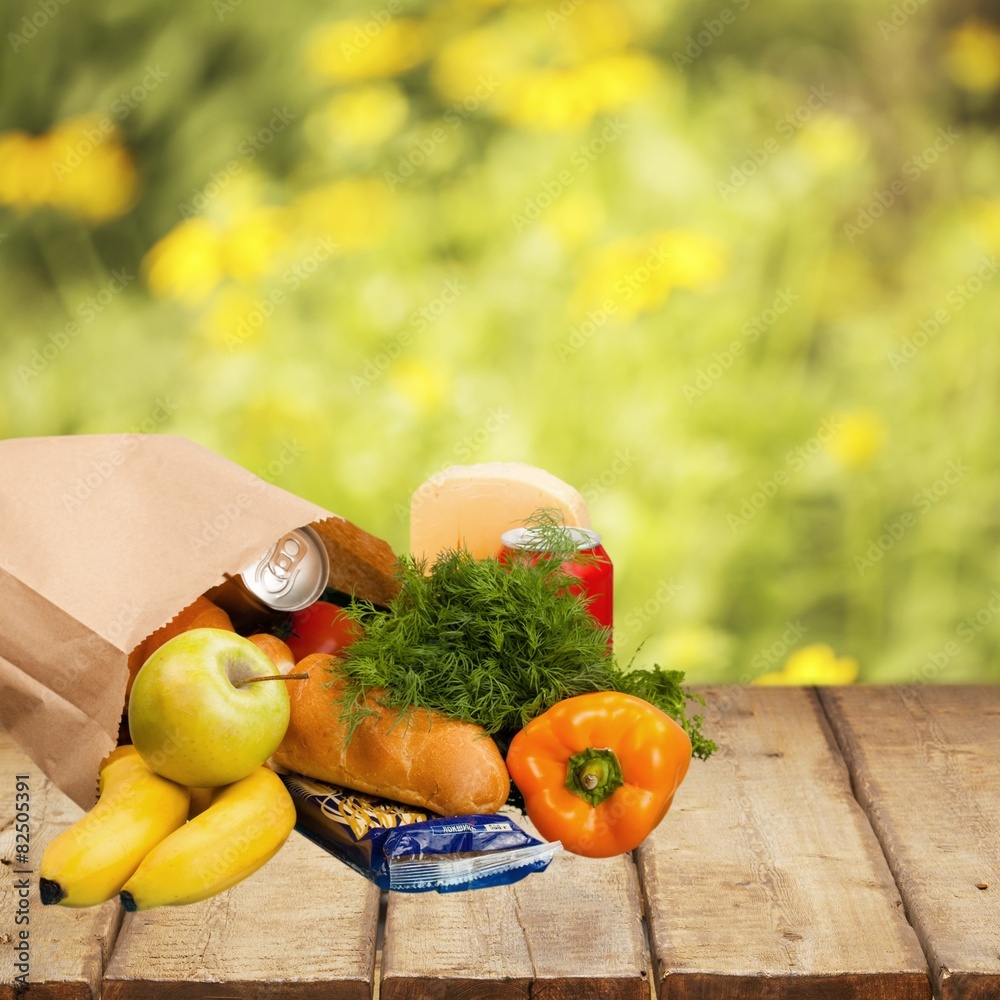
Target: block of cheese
<point>471,506</point>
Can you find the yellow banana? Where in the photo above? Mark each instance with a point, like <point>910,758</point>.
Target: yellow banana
<point>90,862</point>
<point>245,825</point>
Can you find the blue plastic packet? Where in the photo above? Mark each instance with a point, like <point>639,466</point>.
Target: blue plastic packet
<point>401,848</point>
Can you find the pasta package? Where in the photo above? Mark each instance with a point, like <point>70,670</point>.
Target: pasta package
<point>407,850</point>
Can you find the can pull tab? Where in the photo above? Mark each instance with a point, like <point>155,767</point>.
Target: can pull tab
<point>277,573</point>
<point>288,554</point>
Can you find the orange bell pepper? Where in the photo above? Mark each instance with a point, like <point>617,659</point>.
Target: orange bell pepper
<point>599,771</point>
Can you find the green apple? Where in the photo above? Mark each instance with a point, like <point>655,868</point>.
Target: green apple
<point>193,721</point>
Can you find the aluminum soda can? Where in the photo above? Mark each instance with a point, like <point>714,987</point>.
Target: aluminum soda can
<point>289,576</point>
<point>292,573</point>
<point>592,566</point>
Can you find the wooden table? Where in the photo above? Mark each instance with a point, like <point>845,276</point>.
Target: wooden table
<point>843,843</point>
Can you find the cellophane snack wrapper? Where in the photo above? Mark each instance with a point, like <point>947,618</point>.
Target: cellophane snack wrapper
<point>404,849</point>
<point>103,540</point>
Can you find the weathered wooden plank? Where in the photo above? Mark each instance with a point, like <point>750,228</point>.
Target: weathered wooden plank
<point>67,948</point>
<point>301,928</point>
<point>765,881</point>
<point>571,932</point>
<point>926,767</point>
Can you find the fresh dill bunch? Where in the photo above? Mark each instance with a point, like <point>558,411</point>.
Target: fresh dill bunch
<point>490,643</point>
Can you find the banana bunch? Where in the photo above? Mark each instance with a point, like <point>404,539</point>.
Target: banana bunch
<point>157,842</point>
<point>242,829</point>
<point>90,862</point>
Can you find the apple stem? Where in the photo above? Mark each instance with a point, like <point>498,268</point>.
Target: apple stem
<point>272,677</point>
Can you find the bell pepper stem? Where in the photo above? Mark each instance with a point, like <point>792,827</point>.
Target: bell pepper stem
<point>594,774</point>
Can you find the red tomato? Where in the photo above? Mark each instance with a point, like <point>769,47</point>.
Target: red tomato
<point>320,628</point>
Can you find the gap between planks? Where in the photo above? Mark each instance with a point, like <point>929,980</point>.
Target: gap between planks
<point>925,758</point>
<point>727,881</point>
<point>845,755</point>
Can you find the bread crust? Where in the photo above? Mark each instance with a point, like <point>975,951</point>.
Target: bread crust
<point>424,759</point>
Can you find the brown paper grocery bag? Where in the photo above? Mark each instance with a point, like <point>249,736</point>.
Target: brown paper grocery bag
<point>104,539</point>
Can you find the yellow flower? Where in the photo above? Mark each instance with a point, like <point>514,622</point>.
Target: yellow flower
<point>697,260</point>
<point>79,167</point>
<point>859,436</point>
<point>833,142</point>
<point>187,263</point>
<point>234,320</point>
<point>26,179</point>
<point>817,664</point>
<point>985,216</point>
<point>101,187</point>
<point>549,100</point>
<point>554,100</point>
<point>593,27</point>
<point>612,276</point>
<point>366,116</point>
<point>972,58</point>
<point>548,72</point>
<point>365,50</point>
<point>637,275</point>
<point>94,176</point>
<point>193,258</point>
<point>353,213</point>
<point>615,80</point>
<point>251,242</point>
<point>424,385</point>
<point>464,62</point>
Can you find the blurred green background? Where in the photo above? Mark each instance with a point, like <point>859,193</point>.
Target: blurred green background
<point>727,268</point>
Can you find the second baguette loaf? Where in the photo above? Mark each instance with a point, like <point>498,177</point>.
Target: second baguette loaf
<point>427,759</point>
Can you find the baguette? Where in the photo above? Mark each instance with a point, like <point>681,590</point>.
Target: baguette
<point>277,651</point>
<point>426,760</point>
